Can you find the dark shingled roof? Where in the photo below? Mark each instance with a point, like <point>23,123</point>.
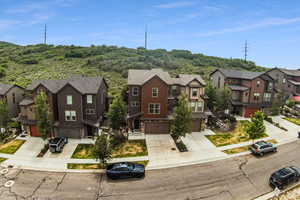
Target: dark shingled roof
<point>85,85</point>
<point>230,73</point>
<point>4,88</point>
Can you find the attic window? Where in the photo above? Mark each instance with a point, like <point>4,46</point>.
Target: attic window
<point>135,91</point>
<point>258,83</point>
<point>69,100</point>
<point>283,80</point>
<point>89,99</point>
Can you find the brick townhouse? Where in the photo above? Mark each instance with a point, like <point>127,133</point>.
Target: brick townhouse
<point>250,91</point>
<point>77,105</point>
<point>152,95</point>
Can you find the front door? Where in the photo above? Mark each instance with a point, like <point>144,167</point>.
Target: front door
<point>136,124</point>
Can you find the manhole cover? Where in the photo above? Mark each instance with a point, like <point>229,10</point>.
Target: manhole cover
<point>4,171</point>
<point>9,184</point>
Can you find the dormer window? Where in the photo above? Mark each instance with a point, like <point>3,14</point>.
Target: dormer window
<point>154,92</point>
<point>135,91</point>
<point>69,100</point>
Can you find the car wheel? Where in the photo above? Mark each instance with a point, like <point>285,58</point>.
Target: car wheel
<point>275,150</point>
<point>261,154</point>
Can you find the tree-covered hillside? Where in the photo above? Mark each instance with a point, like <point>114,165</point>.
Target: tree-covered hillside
<point>22,64</point>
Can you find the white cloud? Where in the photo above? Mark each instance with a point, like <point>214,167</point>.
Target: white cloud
<point>179,4</point>
<point>264,23</point>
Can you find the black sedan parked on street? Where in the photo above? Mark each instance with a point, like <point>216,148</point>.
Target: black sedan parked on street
<point>125,170</point>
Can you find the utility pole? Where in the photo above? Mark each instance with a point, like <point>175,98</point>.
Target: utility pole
<point>146,37</point>
<point>246,51</point>
<point>45,34</point>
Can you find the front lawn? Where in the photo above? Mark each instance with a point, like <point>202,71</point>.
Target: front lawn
<point>236,136</point>
<point>83,151</point>
<point>131,148</point>
<point>2,159</point>
<point>293,120</point>
<point>96,166</point>
<point>11,147</point>
<point>243,148</point>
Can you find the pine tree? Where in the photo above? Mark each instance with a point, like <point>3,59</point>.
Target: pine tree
<point>182,118</point>
<point>117,113</point>
<point>43,116</point>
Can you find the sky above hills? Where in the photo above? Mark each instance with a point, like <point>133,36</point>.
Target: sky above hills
<point>212,27</point>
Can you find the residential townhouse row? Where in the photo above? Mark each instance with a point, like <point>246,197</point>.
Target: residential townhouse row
<point>79,104</point>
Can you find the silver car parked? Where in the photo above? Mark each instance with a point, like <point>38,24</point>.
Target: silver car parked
<point>262,147</point>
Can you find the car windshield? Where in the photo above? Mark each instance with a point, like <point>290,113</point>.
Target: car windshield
<point>283,172</point>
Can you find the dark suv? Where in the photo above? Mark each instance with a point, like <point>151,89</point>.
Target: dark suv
<point>262,147</point>
<point>57,144</point>
<point>284,177</point>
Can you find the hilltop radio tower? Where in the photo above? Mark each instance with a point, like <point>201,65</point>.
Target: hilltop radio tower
<point>45,34</point>
<point>146,36</point>
<point>246,49</point>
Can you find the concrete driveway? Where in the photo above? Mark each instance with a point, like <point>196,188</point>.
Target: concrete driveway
<point>31,148</point>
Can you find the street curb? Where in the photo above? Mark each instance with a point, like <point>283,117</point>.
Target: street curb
<point>270,195</point>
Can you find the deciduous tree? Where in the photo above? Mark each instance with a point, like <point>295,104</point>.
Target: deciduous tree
<point>182,118</point>
<point>256,128</point>
<point>117,113</point>
<point>43,116</point>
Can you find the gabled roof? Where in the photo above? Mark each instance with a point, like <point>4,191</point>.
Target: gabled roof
<point>4,88</point>
<point>85,85</point>
<point>139,77</point>
<point>185,79</point>
<point>290,72</point>
<point>230,73</point>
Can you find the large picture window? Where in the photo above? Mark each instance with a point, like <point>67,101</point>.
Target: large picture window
<point>70,115</point>
<point>154,108</point>
<point>197,106</point>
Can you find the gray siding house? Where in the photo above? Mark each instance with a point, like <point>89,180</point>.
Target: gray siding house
<point>13,95</point>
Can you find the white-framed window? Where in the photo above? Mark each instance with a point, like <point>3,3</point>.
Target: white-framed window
<point>283,80</point>
<point>135,104</point>
<point>135,91</point>
<point>257,83</point>
<point>89,99</point>
<point>194,92</point>
<point>154,92</point>
<point>197,106</point>
<point>70,115</point>
<point>154,108</point>
<point>267,97</point>
<point>256,96</point>
<point>69,99</point>
<point>90,111</point>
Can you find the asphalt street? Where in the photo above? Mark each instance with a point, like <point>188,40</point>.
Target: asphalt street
<point>239,178</point>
